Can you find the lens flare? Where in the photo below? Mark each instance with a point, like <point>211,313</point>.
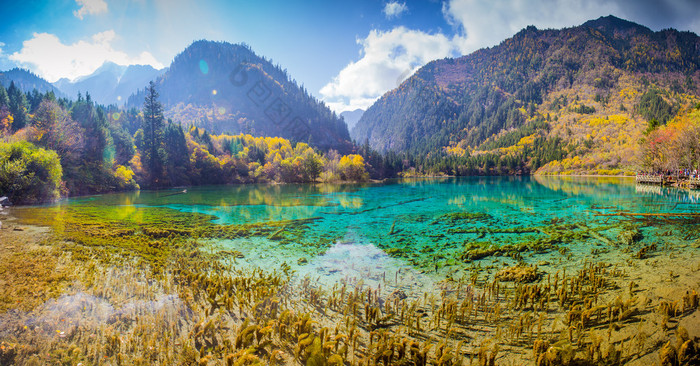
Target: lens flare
<point>222,110</point>
<point>203,67</point>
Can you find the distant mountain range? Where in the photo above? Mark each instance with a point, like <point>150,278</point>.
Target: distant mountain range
<point>111,83</point>
<point>586,94</point>
<point>226,87</point>
<point>574,80</point>
<point>351,117</point>
<point>222,87</point>
<point>27,81</point>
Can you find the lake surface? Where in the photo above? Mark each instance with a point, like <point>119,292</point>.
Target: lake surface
<point>383,258</point>
<point>425,225</point>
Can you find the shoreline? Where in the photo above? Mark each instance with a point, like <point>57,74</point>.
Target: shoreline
<point>121,291</point>
<point>370,181</point>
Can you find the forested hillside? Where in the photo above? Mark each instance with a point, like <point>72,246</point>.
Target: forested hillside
<point>606,97</point>
<point>26,80</point>
<point>227,88</point>
<point>53,147</point>
<point>575,100</point>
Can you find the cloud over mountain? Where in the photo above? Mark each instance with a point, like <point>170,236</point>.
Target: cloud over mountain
<point>51,59</point>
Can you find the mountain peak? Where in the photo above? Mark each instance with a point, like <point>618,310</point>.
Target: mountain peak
<point>111,83</point>
<point>204,44</point>
<point>612,23</point>
<point>351,117</point>
<point>108,67</point>
<point>483,94</point>
<point>227,88</point>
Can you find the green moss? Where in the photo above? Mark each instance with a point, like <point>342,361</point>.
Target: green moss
<point>396,252</point>
<point>462,217</point>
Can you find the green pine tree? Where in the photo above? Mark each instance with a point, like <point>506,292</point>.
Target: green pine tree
<point>153,154</point>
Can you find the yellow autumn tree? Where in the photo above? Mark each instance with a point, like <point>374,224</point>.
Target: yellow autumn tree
<point>352,168</point>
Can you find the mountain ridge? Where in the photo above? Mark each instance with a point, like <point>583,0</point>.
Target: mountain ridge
<point>27,81</point>
<point>227,88</point>
<point>351,117</point>
<point>110,83</point>
<point>462,102</point>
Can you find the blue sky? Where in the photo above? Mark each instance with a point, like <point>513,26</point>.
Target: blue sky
<point>347,53</point>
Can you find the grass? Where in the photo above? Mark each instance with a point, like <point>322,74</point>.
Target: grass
<point>150,287</point>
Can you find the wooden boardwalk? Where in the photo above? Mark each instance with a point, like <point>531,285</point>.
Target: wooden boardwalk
<point>692,183</point>
<point>650,179</point>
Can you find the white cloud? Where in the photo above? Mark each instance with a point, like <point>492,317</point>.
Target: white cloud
<point>394,9</point>
<point>485,23</point>
<point>387,56</point>
<point>47,56</point>
<point>91,7</point>
<point>387,59</point>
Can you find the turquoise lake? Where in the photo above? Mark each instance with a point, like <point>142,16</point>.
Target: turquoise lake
<point>517,257</point>
<point>425,226</point>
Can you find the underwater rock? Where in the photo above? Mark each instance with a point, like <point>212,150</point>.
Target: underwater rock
<point>629,235</point>
<point>479,253</point>
<point>398,294</point>
<point>518,273</point>
<point>302,261</point>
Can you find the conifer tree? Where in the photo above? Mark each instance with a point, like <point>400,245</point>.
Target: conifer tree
<point>153,154</point>
<point>18,106</point>
<point>4,100</point>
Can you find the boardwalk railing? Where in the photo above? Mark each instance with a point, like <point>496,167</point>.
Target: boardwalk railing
<point>690,182</point>
<point>649,178</point>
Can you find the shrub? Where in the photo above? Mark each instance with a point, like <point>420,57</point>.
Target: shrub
<point>125,178</point>
<point>29,174</point>
<point>352,168</point>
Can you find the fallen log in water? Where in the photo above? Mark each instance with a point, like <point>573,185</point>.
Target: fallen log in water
<point>376,208</point>
<point>516,230</point>
<point>662,214</point>
<point>594,234</point>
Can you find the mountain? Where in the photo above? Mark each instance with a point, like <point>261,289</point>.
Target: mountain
<point>226,87</point>
<point>351,117</point>
<point>27,81</point>
<point>590,90</point>
<point>110,83</point>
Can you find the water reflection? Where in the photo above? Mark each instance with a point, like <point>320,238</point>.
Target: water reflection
<point>589,186</point>
<point>351,262</point>
<point>62,317</point>
<point>422,222</point>
<point>669,193</point>
<point>230,195</point>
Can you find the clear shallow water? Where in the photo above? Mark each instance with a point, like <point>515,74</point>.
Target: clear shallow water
<point>399,237</point>
<point>424,224</point>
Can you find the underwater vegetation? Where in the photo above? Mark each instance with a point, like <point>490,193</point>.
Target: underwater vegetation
<point>152,285</point>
